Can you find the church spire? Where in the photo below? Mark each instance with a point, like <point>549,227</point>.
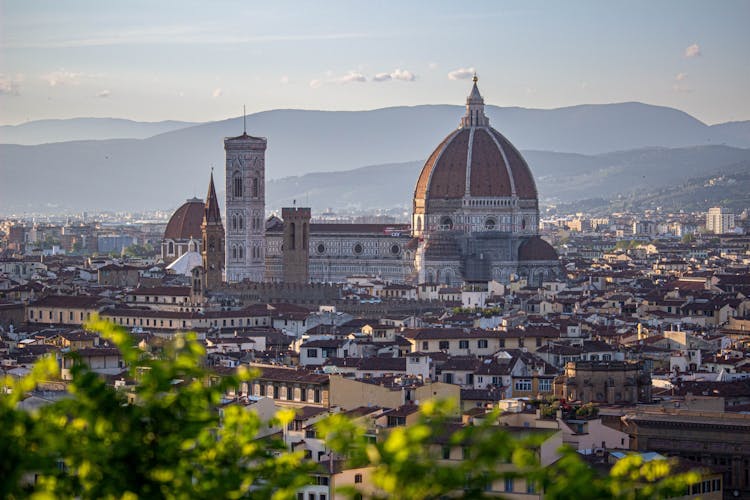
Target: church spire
<point>474,116</point>
<point>211,211</point>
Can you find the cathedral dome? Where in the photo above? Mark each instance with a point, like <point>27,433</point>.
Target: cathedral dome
<point>475,181</point>
<point>475,161</point>
<point>186,222</point>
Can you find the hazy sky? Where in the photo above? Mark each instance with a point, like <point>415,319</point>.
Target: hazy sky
<point>202,60</point>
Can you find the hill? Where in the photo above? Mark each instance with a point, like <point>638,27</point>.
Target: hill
<point>727,187</point>
<point>560,177</point>
<point>77,129</point>
<point>162,170</point>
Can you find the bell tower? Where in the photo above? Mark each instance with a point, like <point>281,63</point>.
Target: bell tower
<point>295,252</point>
<point>212,232</point>
<point>245,248</point>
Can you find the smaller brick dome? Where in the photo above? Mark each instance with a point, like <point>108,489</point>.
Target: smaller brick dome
<point>186,221</point>
<point>535,248</point>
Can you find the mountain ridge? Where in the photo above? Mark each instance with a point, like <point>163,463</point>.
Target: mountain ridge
<point>51,130</point>
<point>163,169</point>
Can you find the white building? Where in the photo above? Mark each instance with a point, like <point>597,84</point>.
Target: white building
<point>718,221</point>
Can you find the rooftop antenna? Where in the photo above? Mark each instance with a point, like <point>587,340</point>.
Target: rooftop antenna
<point>244,120</point>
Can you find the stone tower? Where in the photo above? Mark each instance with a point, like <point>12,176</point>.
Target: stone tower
<point>245,208</point>
<point>212,232</point>
<point>295,253</point>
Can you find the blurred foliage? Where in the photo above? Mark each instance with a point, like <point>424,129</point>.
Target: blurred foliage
<point>172,438</point>
<point>588,410</point>
<point>409,462</point>
<point>173,443</point>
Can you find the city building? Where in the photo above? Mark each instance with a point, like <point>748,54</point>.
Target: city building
<point>475,219</point>
<point>476,210</point>
<point>719,221</point>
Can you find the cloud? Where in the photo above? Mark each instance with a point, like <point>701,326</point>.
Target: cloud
<point>104,93</point>
<point>680,80</point>
<point>693,51</point>
<point>396,74</point>
<point>352,76</point>
<point>284,80</point>
<point>10,85</point>
<point>461,74</point>
<point>402,74</point>
<point>432,65</point>
<point>218,92</point>
<point>315,84</point>
<point>63,77</point>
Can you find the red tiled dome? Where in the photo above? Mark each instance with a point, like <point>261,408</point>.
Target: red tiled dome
<point>495,167</point>
<point>186,222</point>
<point>535,248</point>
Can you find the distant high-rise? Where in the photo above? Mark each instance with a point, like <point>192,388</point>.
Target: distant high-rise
<point>245,208</point>
<point>718,221</point>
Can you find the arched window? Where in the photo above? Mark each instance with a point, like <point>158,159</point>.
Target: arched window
<point>234,222</point>
<point>448,277</point>
<point>255,187</point>
<point>237,186</point>
<point>489,224</point>
<point>241,222</point>
<point>304,235</point>
<point>241,252</point>
<point>170,248</point>
<point>292,236</point>
<point>211,244</point>
<point>446,223</point>
<point>234,251</point>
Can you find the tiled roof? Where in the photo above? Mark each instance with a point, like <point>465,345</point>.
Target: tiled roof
<point>291,375</point>
<point>496,168</point>
<point>68,301</point>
